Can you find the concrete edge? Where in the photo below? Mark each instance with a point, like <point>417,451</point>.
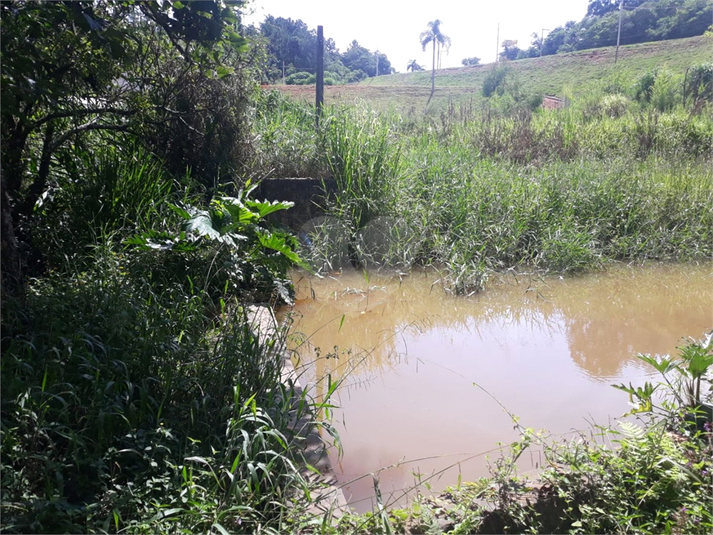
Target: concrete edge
<point>328,498</point>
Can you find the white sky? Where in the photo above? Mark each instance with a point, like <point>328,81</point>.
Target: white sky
<point>393,26</point>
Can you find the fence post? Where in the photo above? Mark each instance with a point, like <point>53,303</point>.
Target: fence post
<point>320,72</point>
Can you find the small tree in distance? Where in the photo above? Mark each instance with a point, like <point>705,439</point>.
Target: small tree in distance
<point>435,37</point>
<point>510,50</point>
<point>469,62</point>
<point>413,66</point>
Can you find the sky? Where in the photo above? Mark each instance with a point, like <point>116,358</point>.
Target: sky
<point>393,26</point>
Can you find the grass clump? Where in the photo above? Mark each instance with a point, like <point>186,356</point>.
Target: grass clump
<point>127,408</point>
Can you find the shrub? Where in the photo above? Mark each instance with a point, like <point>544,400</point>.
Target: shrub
<point>300,78</point>
<point>699,84</point>
<point>494,81</point>
<point>643,87</point>
<point>665,93</point>
<point>357,76</point>
<point>614,105</point>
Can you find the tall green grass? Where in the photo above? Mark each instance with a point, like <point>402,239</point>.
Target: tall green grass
<point>562,191</point>
<point>136,397</point>
<point>364,159</point>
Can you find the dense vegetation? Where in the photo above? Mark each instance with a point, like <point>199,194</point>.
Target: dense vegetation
<point>642,21</point>
<point>135,395</point>
<point>291,55</point>
<point>624,174</point>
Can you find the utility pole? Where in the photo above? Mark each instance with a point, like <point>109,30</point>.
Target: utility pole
<point>377,62</point>
<point>320,73</point>
<point>497,45</point>
<point>618,35</point>
<point>542,39</point>
<point>283,72</point>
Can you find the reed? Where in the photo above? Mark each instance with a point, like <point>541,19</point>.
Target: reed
<point>559,191</point>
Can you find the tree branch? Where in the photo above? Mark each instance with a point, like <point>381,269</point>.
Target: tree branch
<point>91,125</point>
<point>162,20</point>
<point>81,113</point>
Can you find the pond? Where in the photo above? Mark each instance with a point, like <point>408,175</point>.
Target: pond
<point>430,380</point>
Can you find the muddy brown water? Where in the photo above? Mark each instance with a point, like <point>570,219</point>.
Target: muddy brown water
<point>422,369</point>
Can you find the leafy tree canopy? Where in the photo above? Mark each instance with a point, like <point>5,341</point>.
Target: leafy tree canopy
<point>111,67</point>
<point>292,45</point>
<point>642,21</point>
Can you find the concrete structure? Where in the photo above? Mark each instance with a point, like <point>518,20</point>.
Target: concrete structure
<point>310,195</point>
<point>328,498</point>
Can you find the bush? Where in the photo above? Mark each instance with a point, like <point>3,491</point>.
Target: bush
<point>659,87</point>
<point>644,86</point>
<point>699,84</point>
<point>614,105</point>
<point>206,131</point>
<point>665,93</point>
<point>300,78</point>
<point>357,76</point>
<point>494,80</point>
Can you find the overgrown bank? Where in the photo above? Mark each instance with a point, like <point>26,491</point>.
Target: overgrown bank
<point>501,187</point>
<point>652,476</point>
<point>134,396</point>
<point>478,190</point>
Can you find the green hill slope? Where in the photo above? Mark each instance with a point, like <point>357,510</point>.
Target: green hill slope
<point>573,75</point>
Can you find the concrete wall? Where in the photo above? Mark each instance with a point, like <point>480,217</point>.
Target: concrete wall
<point>308,194</point>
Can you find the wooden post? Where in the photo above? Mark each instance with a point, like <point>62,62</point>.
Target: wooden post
<point>618,34</point>
<point>320,72</point>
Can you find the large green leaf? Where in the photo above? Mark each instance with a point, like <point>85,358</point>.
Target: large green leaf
<point>201,223</point>
<point>278,243</point>
<point>238,211</point>
<point>266,207</point>
<point>698,359</point>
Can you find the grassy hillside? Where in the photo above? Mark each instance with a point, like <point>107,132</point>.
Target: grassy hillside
<point>571,75</point>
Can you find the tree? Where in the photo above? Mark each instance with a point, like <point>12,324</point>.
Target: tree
<point>437,39</point>
<point>413,66</point>
<point>359,58</point>
<point>510,50</point>
<point>290,42</point>
<point>642,21</point>
<point>75,69</point>
<point>599,8</point>
<point>469,62</point>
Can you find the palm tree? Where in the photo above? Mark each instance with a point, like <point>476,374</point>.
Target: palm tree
<point>413,66</point>
<point>434,36</point>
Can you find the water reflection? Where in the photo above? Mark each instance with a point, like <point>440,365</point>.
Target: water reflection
<point>606,317</point>
<point>548,349</point>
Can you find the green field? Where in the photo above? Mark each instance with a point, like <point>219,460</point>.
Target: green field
<point>565,75</point>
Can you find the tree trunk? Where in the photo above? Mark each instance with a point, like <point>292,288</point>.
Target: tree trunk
<point>433,74</point>
<point>13,148</point>
<point>433,70</point>
<point>39,185</point>
<point>11,271</point>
